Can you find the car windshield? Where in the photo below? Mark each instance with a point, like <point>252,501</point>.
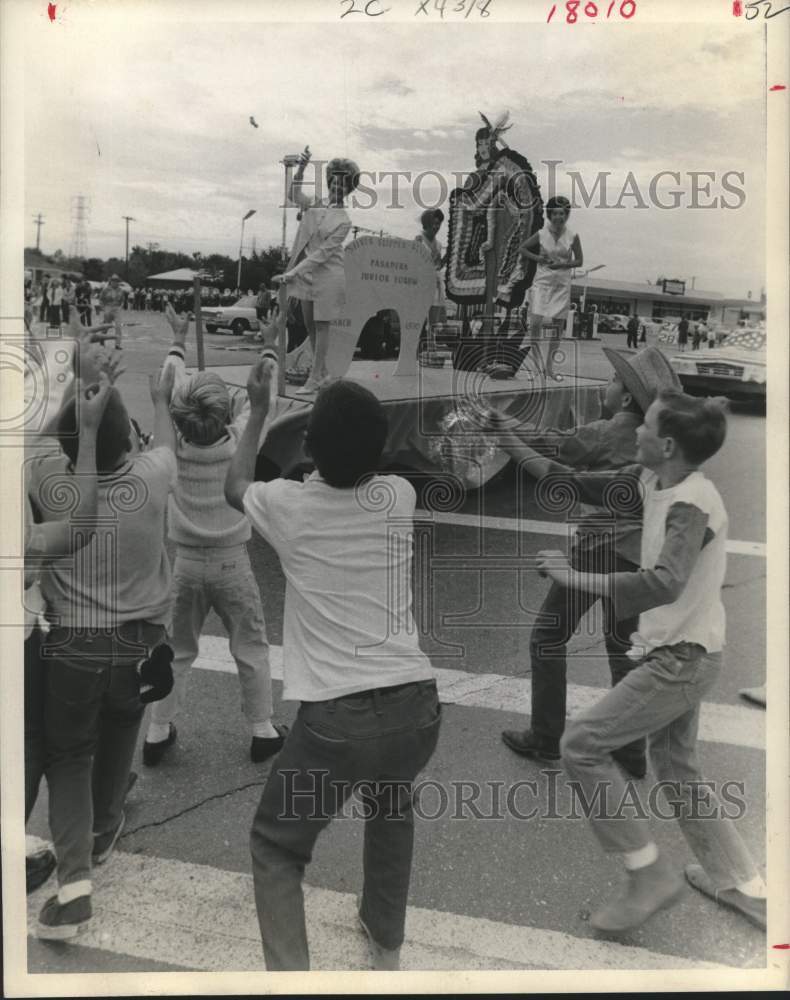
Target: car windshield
<point>245,302</point>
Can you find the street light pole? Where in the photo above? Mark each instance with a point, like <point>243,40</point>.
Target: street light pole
<point>128,219</point>
<point>586,273</point>
<point>289,162</point>
<point>241,246</point>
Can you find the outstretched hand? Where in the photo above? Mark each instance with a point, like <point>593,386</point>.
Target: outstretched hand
<point>259,383</point>
<point>178,324</point>
<point>161,388</point>
<point>92,402</point>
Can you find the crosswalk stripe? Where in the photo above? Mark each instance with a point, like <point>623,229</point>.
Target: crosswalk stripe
<point>719,723</point>
<point>203,918</point>
<point>558,528</point>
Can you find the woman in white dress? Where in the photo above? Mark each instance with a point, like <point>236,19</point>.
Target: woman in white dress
<point>557,250</point>
<point>315,272</point>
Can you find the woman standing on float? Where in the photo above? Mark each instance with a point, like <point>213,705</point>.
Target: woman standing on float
<point>557,250</point>
<point>315,272</point>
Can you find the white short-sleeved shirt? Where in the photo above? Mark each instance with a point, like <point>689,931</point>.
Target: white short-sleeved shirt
<point>697,615</point>
<point>347,557</point>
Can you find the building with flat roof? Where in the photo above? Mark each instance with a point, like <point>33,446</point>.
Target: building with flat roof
<point>651,301</point>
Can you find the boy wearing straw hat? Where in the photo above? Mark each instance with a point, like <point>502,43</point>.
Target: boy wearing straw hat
<point>599,545</point>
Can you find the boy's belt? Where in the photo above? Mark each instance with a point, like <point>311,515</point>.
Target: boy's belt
<point>381,691</point>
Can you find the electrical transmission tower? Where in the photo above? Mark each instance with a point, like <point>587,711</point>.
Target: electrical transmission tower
<point>80,213</point>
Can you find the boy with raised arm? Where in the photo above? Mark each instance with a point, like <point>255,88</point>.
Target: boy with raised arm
<point>369,712</point>
<point>212,567</point>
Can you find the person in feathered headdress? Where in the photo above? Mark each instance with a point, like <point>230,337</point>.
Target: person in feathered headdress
<point>488,137</point>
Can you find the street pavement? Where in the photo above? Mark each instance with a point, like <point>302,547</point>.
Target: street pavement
<point>492,888</point>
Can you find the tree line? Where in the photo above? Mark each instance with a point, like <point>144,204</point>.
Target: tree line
<point>259,267</point>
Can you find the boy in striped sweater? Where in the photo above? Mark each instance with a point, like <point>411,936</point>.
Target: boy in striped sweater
<point>212,568</point>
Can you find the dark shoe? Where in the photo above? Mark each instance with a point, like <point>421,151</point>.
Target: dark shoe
<point>525,742</point>
<point>646,891</point>
<point>58,921</point>
<point>38,868</point>
<point>751,907</point>
<point>384,959</point>
<point>755,695</point>
<point>633,764</point>
<point>264,747</point>
<point>154,752</point>
<point>104,843</point>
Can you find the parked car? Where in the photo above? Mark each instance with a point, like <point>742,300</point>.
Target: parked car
<point>238,318</point>
<point>737,369</point>
<point>612,323</point>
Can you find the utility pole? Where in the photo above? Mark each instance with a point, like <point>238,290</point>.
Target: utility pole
<point>128,219</point>
<point>39,221</point>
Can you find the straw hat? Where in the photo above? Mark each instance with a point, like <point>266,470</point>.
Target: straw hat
<point>644,374</point>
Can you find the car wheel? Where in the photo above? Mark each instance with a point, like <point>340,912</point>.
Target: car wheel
<point>210,328</point>
<point>239,326</point>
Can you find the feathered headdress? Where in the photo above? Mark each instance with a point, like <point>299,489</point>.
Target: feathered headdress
<point>494,131</point>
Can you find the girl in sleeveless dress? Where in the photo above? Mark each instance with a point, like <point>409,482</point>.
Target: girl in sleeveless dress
<point>315,272</point>
<point>557,250</point>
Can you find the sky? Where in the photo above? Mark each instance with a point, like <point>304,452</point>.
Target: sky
<point>151,119</point>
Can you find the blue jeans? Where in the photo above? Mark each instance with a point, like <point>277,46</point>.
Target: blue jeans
<point>35,747</point>
<point>222,579</point>
<point>659,699</point>
<point>562,610</point>
<point>92,714</point>
<point>381,739</point>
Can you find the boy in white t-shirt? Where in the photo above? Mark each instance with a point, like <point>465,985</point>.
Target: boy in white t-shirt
<point>369,711</point>
<point>678,645</point>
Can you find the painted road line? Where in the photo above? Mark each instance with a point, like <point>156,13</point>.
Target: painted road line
<point>562,528</point>
<point>719,723</point>
<point>203,918</point>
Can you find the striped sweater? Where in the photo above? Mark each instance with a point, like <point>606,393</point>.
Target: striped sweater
<point>198,514</point>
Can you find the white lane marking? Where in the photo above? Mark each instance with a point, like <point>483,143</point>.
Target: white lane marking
<point>532,527</point>
<point>203,918</point>
<point>719,723</point>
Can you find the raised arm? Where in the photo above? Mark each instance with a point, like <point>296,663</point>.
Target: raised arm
<point>295,192</point>
<point>58,538</point>
<point>161,393</point>
<point>241,472</point>
<point>176,355</point>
